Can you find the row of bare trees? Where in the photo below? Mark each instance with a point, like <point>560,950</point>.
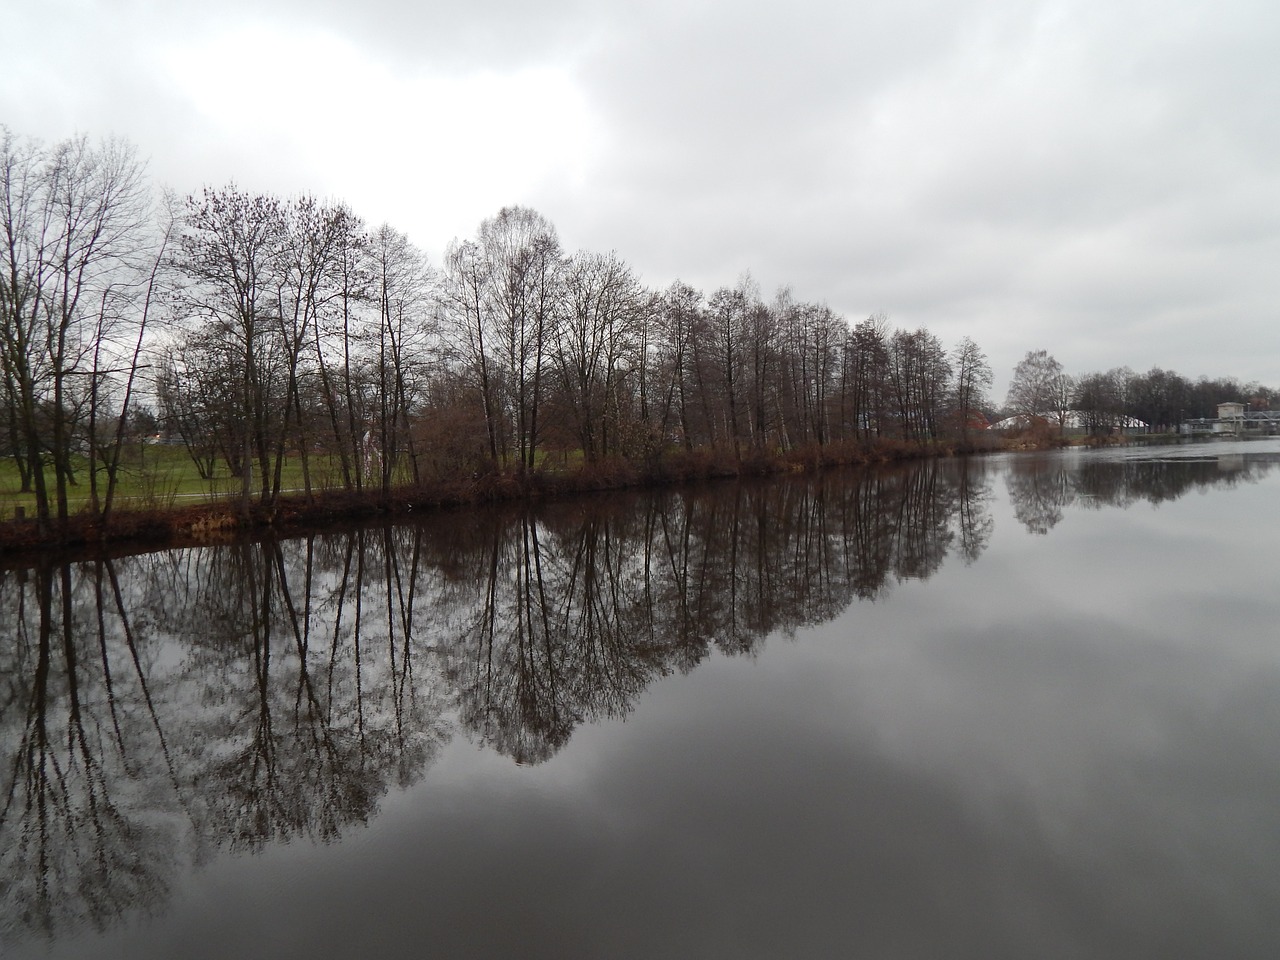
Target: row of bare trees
<point>269,332</point>
<point>301,333</point>
<point>1106,402</point>
<point>301,349</point>
<point>1162,399</point>
<point>572,353</point>
<point>295,331</point>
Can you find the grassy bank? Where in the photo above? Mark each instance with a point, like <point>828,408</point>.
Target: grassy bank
<point>161,499</point>
<point>159,477</point>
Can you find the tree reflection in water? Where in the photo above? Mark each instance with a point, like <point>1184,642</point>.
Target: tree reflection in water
<point>1041,487</point>
<point>156,709</point>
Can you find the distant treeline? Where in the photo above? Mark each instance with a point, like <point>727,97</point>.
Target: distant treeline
<point>1120,399</point>
<point>261,331</point>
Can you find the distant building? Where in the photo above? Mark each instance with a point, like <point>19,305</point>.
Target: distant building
<point>1230,418</point>
<point>1235,420</point>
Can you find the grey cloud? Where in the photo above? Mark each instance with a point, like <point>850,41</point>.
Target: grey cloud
<point>1096,179</point>
<point>496,33</point>
<point>1063,174</point>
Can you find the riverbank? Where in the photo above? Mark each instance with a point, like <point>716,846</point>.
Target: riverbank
<point>225,518</point>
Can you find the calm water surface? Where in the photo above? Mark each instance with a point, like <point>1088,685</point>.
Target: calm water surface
<point>1025,706</point>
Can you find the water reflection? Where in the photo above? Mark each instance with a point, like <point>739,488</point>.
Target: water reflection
<point>157,709</point>
<point>1041,487</point>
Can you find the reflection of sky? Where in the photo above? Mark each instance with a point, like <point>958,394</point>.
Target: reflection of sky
<point>1065,749</point>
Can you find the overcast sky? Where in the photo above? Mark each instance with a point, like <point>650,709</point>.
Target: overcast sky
<point>1098,178</point>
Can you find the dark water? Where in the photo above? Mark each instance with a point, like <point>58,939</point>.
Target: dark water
<point>1019,707</point>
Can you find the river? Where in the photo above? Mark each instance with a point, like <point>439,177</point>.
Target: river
<point>1022,705</point>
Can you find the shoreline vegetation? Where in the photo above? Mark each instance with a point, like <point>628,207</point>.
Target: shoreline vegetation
<point>156,521</point>
<point>277,360</point>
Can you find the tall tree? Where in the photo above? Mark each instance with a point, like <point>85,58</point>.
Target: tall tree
<point>1161,398</point>
<point>918,379</point>
<point>972,380</point>
<point>312,240</point>
<point>105,443</point>
<point>72,221</point>
<point>524,297</point>
<point>864,378</point>
<point>722,368</point>
<point>679,315</point>
<point>1039,388</point>
<point>598,346</point>
<point>231,252</point>
<point>760,329</point>
<point>467,278</point>
<point>1101,400</point>
<point>503,296</point>
<point>403,345</point>
<point>814,338</point>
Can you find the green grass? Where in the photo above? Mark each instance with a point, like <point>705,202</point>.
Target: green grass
<point>163,476</point>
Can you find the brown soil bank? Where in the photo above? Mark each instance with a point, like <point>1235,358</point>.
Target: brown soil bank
<point>224,520</point>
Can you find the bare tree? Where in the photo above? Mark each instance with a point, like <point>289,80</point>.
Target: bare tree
<point>195,388</point>
<point>722,380</point>
<point>1036,389</point>
<point>138,299</point>
<point>71,224</point>
<point>231,253</point>
<point>972,380</point>
<point>467,278</point>
<point>761,329</point>
<point>811,335</point>
<point>679,317</point>
<point>313,250</point>
<point>1161,398</point>
<point>1098,399</point>
<point>598,345</point>
<point>524,296</point>
<point>918,377</point>
<point>503,298</point>
<point>403,344</point>
<point>864,378</point>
